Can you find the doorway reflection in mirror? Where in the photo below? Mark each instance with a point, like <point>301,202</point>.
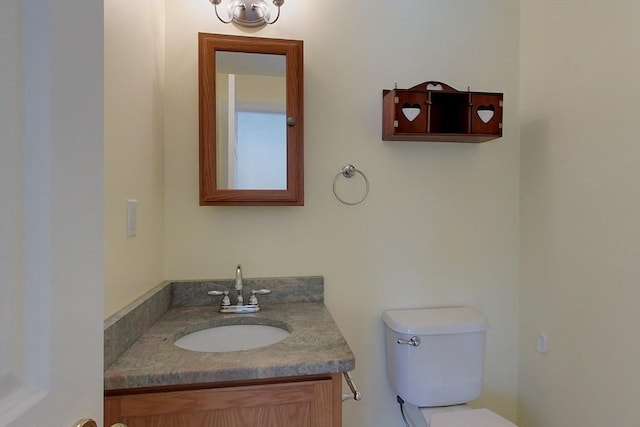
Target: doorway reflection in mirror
<point>251,121</point>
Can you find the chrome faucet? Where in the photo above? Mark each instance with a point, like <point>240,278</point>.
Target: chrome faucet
<point>240,299</point>
<point>240,307</point>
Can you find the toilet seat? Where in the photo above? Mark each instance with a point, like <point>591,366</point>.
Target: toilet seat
<point>469,418</point>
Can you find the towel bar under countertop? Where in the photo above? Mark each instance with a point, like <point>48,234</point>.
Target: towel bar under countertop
<point>355,394</point>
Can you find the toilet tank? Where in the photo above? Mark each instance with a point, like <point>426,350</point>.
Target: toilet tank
<point>446,367</point>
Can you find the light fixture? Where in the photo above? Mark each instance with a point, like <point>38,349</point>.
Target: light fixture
<point>248,13</point>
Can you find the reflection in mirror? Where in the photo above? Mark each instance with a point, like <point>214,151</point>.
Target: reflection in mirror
<point>251,135</point>
<point>251,121</point>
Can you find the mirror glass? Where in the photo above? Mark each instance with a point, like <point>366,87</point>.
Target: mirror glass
<point>251,137</point>
<point>251,120</point>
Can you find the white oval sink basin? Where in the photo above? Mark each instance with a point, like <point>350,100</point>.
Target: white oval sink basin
<point>231,338</point>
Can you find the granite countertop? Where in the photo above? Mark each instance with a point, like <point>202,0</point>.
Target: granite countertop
<point>315,346</point>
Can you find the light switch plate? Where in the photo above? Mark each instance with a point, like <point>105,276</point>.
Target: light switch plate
<point>132,217</point>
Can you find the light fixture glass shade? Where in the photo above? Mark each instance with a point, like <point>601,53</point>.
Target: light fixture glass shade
<point>248,13</point>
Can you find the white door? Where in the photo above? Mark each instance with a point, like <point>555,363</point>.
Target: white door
<point>51,199</point>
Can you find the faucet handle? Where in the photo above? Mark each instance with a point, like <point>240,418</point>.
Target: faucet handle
<point>225,299</point>
<point>253,300</point>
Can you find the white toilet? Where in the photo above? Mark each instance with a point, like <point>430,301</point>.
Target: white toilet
<point>435,360</point>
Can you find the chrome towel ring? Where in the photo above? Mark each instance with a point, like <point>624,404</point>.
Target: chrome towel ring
<point>349,171</point>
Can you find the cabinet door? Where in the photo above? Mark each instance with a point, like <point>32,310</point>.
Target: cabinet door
<point>410,111</point>
<point>302,404</point>
<point>486,113</point>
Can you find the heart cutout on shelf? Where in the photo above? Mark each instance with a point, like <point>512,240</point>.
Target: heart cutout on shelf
<point>410,111</point>
<point>432,86</point>
<point>486,112</point>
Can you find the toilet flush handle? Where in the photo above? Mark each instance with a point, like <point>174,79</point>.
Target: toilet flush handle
<point>414,341</point>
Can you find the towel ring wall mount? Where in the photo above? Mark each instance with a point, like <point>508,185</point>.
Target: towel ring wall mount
<point>349,171</point>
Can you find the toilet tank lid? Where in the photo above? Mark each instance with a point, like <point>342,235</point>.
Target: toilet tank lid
<point>435,321</point>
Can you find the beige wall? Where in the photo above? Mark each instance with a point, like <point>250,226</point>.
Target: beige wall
<point>580,205</point>
<point>440,225</point>
<point>134,147</point>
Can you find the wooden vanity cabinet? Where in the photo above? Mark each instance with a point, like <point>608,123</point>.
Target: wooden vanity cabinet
<point>314,401</point>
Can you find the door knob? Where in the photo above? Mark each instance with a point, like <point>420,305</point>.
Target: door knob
<point>88,422</point>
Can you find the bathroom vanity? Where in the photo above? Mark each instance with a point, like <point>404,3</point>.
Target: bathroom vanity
<point>149,381</point>
<point>300,401</point>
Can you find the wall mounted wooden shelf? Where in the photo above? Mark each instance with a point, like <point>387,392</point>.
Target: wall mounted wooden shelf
<point>434,111</point>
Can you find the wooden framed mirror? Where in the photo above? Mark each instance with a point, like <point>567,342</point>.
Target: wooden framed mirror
<point>251,121</point>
